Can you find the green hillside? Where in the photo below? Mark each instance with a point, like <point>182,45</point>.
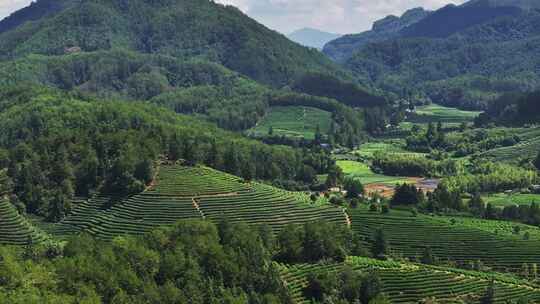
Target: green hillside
<point>182,29</point>
<point>180,193</point>
<point>467,67</point>
<point>412,283</point>
<point>459,240</point>
<point>299,122</point>
<point>14,228</point>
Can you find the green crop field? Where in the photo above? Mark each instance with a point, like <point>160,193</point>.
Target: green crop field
<point>438,113</point>
<point>194,193</point>
<point>502,199</point>
<point>294,122</point>
<point>459,240</point>
<point>14,228</point>
<point>363,172</point>
<point>394,146</point>
<point>527,149</point>
<point>411,283</point>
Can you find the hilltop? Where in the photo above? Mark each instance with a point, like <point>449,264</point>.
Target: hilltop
<point>389,27</point>
<point>181,29</point>
<point>312,37</point>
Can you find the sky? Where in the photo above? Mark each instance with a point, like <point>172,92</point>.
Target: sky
<point>336,16</point>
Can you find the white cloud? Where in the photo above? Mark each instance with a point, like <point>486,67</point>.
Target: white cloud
<point>9,6</point>
<point>339,16</point>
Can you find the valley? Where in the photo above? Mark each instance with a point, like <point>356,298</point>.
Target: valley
<point>181,151</point>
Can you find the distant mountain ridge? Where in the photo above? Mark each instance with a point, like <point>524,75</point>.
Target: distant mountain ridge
<point>312,37</point>
<point>386,28</point>
<point>463,56</point>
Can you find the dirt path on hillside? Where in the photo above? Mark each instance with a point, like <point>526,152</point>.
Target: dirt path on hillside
<point>196,205</point>
<point>154,182</point>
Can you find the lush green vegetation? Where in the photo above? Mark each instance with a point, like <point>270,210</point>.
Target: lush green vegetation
<point>438,113</point>
<point>451,241</point>
<point>503,199</point>
<point>404,282</point>
<point>467,67</point>
<point>60,145</point>
<point>491,177</point>
<point>301,122</point>
<point>364,173</point>
<point>193,193</point>
<point>413,165</point>
<point>192,261</point>
<point>192,28</point>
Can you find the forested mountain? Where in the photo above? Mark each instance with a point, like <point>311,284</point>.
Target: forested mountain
<point>389,27</point>
<point>462,56</point>
<point>312,37</point>
<point>182,29</point>
<point>193,56</point>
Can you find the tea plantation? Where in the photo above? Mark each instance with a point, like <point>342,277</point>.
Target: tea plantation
<point>15,229</point>
<point>411,283</point>
<point>458,241</point>
<point>192,193</point>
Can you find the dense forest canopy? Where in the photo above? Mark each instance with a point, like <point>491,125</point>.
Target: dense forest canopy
<point>182,29</point>
<point>463,56</point>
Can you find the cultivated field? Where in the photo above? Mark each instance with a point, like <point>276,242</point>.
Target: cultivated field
<point>502,199</point>
<point>363,172</point>
<point>194,193</point>
<point>15,229</point>
<point>412,283</point>
<point>438,113</point>
<point>459,240</point>
<point>294,121</point>
<point>526,149</point>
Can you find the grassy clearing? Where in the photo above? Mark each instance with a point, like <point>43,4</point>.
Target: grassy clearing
<point>411,283</point>
<point>502,199</point>
<point>294,122</point>
<point>438,113</point>
<point>459,240</point>
<point>363,172</point>
<point>395,146</point>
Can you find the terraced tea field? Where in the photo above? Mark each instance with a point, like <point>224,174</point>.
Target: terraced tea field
<point>411,283</point>
<point>15,229</point>
<point>438,113</point>
<point>527,148</point>
<point>193,193</point>
<point>294,122</point>
<point>369,149</point>
<point>459,240</point>
<point>502,199</point>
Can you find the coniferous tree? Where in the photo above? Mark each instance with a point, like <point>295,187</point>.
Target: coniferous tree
<point>353,187</point>
<point>489,296</point>
<point>537,161</point>
<point>379,248</point>
<point>427,256</point>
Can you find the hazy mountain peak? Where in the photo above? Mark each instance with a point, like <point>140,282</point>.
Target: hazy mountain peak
<point>311,37</point>
<point>383,29</point>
